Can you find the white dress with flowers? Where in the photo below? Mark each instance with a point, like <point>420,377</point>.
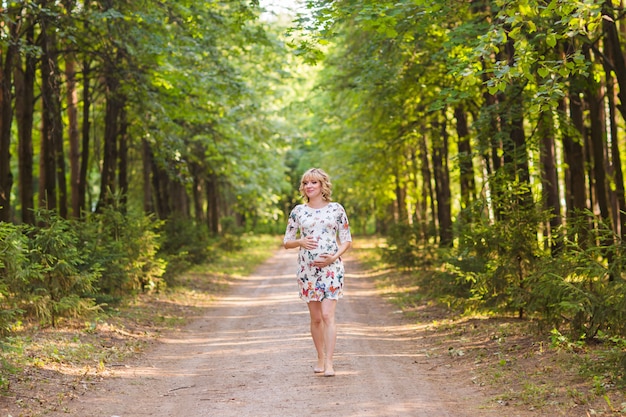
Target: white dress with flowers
<point>327,225</point>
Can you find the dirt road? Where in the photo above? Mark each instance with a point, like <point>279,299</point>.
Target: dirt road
<point>252,355</point>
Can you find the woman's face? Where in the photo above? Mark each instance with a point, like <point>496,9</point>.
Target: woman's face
<point>312,187</point>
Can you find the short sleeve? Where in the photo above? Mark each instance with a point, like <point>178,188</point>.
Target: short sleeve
<point>343,225</point>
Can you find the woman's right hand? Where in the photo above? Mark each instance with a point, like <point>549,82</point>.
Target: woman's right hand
<point>308,242</point>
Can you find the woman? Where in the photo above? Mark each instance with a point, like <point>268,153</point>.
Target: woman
<point>324,235</point>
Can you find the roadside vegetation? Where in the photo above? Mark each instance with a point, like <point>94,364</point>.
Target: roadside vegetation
<point>44,366</point>
<point>519,362</point>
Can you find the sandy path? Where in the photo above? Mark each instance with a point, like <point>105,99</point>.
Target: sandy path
<point>252,355</point>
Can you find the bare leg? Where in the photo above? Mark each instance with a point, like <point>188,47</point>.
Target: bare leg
<point>330,334</point>
<point>317,332</point>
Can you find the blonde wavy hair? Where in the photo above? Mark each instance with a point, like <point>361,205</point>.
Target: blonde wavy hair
<point>317,174</point>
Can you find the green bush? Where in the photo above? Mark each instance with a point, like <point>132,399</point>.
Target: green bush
<point>581,289</point>
<point>14,268</point>
<point>500,266</point>
<point>61,276</point>
<point>125,245</point>
<point>70,267</point>
<point>185,244</point>
<point>495,258</point>
<point>404,247</point>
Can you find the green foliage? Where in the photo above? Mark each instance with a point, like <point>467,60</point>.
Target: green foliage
<point>125,246</point>
<point>229,226</point>
<point>582,288</point>
<point>607,366</point>
<point>185,243</point>
<point>207,102</point>
<point>406,247</point>
<point>498,267</point>
<point>496,257</point>
<point>60,278</point>
<point>14,267</point>
<point>7,368</point>
<point>69,268</point>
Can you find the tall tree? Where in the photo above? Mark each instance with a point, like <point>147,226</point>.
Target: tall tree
<point>25,74</point>
<point>8,52</point>
<point>52,174</point>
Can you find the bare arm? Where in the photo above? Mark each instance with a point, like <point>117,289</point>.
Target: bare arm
<point>290,244</point>
<point>308,242</point>
<point>343,248</point>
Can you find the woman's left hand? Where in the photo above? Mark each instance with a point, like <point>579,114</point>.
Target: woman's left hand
<point>323,260</point>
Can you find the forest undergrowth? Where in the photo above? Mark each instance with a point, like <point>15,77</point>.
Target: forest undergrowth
<point>520,363</point>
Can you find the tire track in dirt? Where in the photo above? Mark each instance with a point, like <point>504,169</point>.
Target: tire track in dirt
<point>252,355</point>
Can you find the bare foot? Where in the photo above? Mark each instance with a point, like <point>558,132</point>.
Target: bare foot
<point>319,368</point>
<point>328,369</point>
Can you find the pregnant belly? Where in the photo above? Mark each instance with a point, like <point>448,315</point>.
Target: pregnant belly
<point>320,250</point>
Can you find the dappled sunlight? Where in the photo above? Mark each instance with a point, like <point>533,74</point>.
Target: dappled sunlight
<point>370,273</point>
<point>402,408</point>
<point>384,332</point>
<point>252,352</point>
<point>253,278</point>
<point>245,344</point>
<point>251,302</point>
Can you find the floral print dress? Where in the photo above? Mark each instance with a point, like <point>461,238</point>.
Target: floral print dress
<point>326,224</point>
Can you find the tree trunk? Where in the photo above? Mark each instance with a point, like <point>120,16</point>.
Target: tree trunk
<point>549,178</point>
<point>514,150</point>
<point>466,166</point>
<point>613,170</point>
<point>160,185</point>
<point>24,109</point>
<point>179,200</point>
<point>51,94</point>
<point>614,52</point>
<point>615,65</point>
<point>574,151</point>
<point>595,98</point>
<point>147,163</point>
<point>620,193</point>
<point>6,116</point>
<point>114,105</point>
<point>442,185</point>
<point>73,134</point>
<point>213,204</point>
<point>428,194</point>
<point>86,126</point>
<point>491,127</point>
<point>47,157</point>
<point>123,158</point>
<point>197,193</point>
<point>515,153</point>
<point>400,214</point>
